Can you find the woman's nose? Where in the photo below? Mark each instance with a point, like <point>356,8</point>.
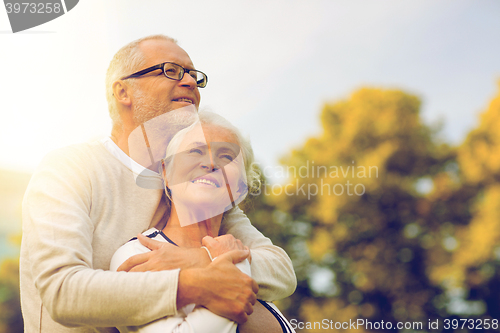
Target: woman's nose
<point>208,163</point>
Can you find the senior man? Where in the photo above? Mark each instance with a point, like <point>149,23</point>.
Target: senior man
<point>83,203</point>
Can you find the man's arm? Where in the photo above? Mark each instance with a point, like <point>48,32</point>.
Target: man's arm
<point>272,268</point>
<point>58,234</point>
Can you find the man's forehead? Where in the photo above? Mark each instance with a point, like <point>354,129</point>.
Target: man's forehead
<point>156,51</point>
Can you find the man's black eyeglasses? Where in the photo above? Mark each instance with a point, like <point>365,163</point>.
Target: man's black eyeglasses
<point>174,72</point>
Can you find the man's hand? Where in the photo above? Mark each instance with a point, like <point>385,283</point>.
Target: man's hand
<point>220,287</point>
<point>164,256</point>
<point>222,244</point>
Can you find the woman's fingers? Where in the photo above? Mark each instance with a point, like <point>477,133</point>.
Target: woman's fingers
<point>209,242</point>
<point>150,243</point>
<point>133,261</point>
<point>222,244</point>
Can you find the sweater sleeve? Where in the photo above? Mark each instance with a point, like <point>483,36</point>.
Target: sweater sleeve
<point>58,233</point>
<point>272,268</point>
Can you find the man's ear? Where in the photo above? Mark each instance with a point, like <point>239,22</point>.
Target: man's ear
<point>121,93</point>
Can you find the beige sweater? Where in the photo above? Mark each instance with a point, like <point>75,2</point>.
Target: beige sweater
<point>81,205</point>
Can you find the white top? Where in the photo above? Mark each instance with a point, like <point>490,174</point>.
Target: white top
<point>125,159</point>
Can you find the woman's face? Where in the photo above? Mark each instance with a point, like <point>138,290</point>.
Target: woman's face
<point>207,171</point>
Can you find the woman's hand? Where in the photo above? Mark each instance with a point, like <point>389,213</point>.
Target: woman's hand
<point>222,244</point>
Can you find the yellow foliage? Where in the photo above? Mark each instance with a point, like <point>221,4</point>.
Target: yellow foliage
<point>444,186</point>
<point>479,155</point>
<point>334,310</point>
<point>448,275</point>
<point>478,240</point>
<point>320,244</point>
<point>363,235</point>
<point>365,134</point>
<point>483,233</point>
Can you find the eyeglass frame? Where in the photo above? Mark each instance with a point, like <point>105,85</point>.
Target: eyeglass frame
<point>162,67</point>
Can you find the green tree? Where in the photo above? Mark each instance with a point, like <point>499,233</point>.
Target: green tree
<point>473,270</point>
<point>13,186</point>
<point>11,320</point>
<point>363,211</point>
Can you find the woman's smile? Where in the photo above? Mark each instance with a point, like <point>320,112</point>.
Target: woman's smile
<point>207,180</point>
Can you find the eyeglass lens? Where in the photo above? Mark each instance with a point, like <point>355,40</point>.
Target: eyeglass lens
<point>176,72</point>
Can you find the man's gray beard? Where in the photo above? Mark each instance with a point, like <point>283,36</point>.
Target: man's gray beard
<point>161,123</point>
<point>145,110</point>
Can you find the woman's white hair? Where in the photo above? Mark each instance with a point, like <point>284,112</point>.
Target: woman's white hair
<point>127,60</point>
<point>213,119</point>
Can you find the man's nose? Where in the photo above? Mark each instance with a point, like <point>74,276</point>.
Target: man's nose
<point>188,81</point>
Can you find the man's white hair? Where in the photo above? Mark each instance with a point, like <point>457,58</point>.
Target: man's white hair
<point>127,60</point>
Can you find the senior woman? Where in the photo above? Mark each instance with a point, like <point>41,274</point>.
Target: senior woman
<point>207,171</point>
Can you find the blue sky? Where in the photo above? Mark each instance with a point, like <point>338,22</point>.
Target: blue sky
<point>271,65</point>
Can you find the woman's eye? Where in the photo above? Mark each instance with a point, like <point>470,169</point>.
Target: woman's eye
<point>227,157</point>
<point>196,151</point>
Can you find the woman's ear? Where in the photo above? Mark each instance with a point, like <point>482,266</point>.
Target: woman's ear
<point>163,172</point>
<point>242,187</point>
<point>168,193</point>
